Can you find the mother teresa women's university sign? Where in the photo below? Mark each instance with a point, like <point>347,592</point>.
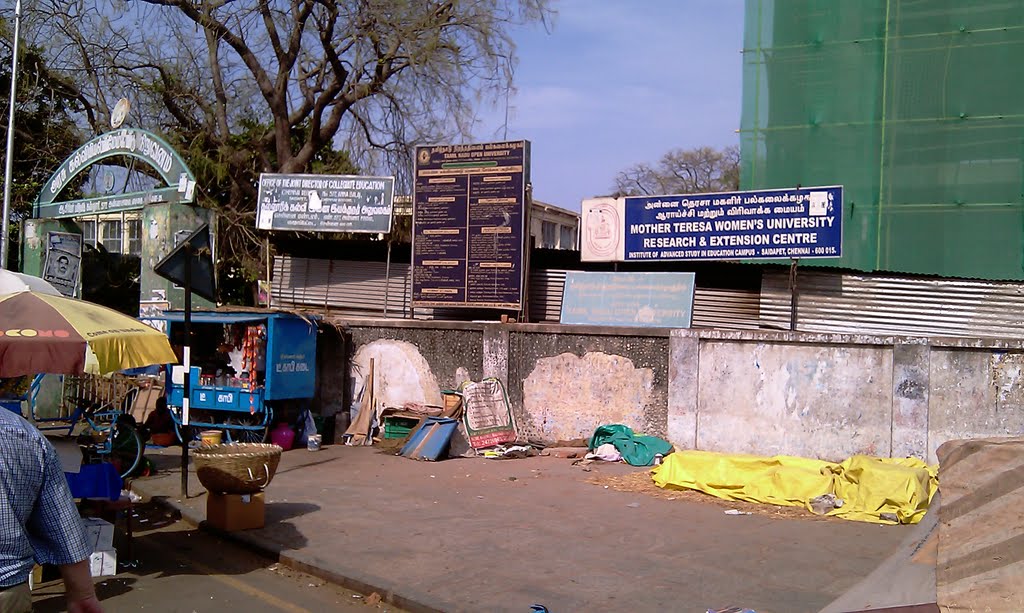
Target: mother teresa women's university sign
<point>753,225</point>
<point>129,142</point>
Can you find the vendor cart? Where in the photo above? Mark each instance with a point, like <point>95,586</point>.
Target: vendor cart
<point>244,364</point>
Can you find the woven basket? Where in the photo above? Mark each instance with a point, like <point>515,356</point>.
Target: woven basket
<point>236,468</point>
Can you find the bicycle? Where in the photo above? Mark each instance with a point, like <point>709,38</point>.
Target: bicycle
<point>108,434</point>
<point>111,436</point>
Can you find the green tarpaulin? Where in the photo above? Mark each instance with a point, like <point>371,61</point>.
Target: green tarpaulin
<point>636,449</point>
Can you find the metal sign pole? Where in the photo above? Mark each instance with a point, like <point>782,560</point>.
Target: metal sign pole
<point>187,395</point>
<point>9,165</point>
<point>387,279</point>
<point>794,293</point>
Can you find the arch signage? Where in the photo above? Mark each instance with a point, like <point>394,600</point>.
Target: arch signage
<point>129,142</point>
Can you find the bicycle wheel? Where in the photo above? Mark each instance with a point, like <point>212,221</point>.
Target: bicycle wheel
<point>238,435</point>
<point>125,448</point>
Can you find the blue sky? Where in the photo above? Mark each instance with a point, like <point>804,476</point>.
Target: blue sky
<point>615,83</point>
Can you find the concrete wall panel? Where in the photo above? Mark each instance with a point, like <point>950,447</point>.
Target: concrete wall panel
<point>445,350</point>
<point>910,395</point>
<point>332,373</point>
<point>683,385</point>
<point>627,383</point>
<point>765,392</point>
<point>568,397</point>
<point>400,374</point>
<point>974,394</point>
<point>820,401</point>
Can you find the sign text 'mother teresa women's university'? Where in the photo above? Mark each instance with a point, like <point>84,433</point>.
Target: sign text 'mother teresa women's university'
<point>766,224</point>
<point>468,225</point>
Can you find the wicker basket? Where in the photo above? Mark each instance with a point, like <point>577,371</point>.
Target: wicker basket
<point>236,468</point>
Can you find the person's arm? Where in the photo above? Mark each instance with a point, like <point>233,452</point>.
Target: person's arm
<point>81,594</point>
<point>55,529</point>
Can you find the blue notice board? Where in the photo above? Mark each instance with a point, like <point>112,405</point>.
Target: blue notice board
<point>644,299</point>
<point>766,224</point>
<point>291,359</point>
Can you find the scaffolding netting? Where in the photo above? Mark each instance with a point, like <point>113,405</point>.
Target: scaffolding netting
<point>916,107</point>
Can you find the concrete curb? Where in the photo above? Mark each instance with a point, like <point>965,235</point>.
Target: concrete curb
<point>348,578</point>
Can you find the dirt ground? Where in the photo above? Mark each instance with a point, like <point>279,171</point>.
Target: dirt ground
<point>640,482</point>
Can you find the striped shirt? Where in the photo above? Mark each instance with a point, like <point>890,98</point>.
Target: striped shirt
<point>38,518</point>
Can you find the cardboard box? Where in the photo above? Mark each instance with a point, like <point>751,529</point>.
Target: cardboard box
<point>103,563</point>
<point>98,533</point>
<point>43,574</point>
<point>36,577</point>
<point>231,512</point>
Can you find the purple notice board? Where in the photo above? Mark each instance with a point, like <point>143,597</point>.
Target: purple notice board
<point>469,221</point>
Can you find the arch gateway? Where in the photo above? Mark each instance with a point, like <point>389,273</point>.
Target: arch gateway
<point>129,212</point>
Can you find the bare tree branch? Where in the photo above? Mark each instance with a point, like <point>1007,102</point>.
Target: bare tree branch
<point>287,85</point>
<point>681,171</point>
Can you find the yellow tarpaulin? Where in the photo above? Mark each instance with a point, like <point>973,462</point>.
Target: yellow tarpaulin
<point>880,490</point>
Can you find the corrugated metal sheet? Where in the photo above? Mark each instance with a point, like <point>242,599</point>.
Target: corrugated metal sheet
<point>729,309</point>
<point>545,294</point>
<point>887,304</point>
<point>344,287</point>
<point>357,289</point>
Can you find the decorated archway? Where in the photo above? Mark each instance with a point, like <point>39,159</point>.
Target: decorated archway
<point>128,142</point>
<point>135,185</point>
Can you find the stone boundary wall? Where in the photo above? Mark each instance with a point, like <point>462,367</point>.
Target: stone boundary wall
<point>763,392</point>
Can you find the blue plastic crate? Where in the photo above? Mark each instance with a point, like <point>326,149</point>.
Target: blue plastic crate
<point>95,481</point>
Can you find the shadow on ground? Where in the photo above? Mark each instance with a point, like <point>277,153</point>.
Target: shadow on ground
<point>163,547</point>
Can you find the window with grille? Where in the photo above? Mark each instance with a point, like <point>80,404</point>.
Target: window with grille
<point>88,231</point>
<point>110,235</point>
<point>567,237</point>
<point>548,234</point>
<point>134,232</point>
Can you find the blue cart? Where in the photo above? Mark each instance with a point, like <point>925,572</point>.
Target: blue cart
<point>242,404</point>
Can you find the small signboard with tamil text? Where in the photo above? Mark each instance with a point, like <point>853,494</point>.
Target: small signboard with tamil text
<point>325,203</point>
<point>644,299</point>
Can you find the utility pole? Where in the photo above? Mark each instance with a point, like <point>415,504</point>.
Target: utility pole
<point>8,167</point>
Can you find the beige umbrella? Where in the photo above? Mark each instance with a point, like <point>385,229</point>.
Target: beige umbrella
<point>11,282</point>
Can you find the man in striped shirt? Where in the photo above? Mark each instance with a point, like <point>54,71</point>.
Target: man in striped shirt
<point>38,520</point>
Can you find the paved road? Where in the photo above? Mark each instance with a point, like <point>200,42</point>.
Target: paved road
<point>183,569</point>
<point>498,535</point>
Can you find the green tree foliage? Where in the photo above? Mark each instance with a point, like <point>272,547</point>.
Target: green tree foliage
<point>44,129</point>
<point>296,86</point>
<point>683,171</point>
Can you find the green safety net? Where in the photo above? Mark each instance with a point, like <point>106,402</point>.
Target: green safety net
<point>915,108</point>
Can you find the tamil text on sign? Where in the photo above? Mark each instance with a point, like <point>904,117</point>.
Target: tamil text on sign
<point>468,225</point>
<point>325,203</point>
<point>768,224</point>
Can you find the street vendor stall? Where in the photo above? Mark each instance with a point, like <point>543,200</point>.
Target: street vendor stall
<point>244,364</point>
